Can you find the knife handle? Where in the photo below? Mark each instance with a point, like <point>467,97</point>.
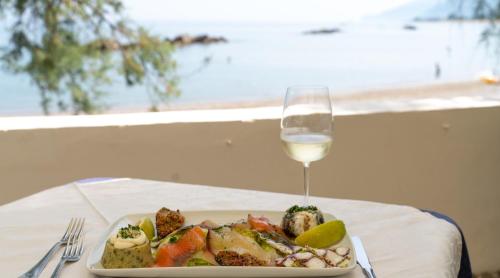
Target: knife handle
<point>368,273</point>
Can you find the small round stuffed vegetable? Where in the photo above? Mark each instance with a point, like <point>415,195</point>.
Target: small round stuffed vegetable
<point>300,219</point>
<point>129,248</point>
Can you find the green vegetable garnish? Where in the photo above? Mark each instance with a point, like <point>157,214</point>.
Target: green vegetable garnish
<point>198,262</point>
<point>258,237</point>
<point>175,235</point>
<point>129,232</point>
<point>297,208</point>
<point>174,238</point>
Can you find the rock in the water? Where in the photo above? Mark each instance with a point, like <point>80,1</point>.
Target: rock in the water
<point>185,39</point>
<point>323,31</point>
<point>410,27</point>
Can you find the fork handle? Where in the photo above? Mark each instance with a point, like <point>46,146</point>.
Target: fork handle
<point>58,269</point>
<point>37,269</point>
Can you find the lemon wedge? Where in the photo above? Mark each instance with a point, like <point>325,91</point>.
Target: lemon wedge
<point>322,236</point>
<point>147,227</point>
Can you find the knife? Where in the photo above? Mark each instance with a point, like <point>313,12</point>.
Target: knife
<point>363,258</point>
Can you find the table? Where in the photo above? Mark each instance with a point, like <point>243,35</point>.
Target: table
<point>401,241</point>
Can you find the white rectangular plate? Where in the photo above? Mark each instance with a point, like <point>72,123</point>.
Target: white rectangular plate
<point>219,217</point>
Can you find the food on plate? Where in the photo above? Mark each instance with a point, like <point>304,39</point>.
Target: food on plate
<point>198,262</point>
<point>178,250</point>
<point>317,258</point>
<point>262,224</point>
<point>238,238</point>
<point>298,220</point>
<point>302,240</point>
<point>168,221</point>
<point>128,248</point>
<point>233,258</point>
<point>322,236</point>
<point>272,236</point>
<point>147,227</point>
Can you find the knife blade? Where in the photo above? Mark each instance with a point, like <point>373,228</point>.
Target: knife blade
<point>363,260</point>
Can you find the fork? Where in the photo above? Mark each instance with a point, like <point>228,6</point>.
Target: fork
<point>72,253</point>
<point>75,226</point>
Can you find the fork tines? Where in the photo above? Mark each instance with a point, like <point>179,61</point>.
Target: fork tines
<point>74,229</point>
<point>74,243</point>
<point>74,248</point>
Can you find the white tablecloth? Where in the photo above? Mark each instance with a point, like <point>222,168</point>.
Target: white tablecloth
<point>401,241</point>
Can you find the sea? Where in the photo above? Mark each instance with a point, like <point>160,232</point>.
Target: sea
<point>260,60</point>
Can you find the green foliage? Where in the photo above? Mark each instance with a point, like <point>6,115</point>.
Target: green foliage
<point>487,10</point>
<point>490,10</point>
<point>71,49</point>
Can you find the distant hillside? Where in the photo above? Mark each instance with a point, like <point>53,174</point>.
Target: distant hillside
<point>431,10</point>
<point>408,11</point>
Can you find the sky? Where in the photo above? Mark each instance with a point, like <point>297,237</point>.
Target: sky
<point>257,10</point>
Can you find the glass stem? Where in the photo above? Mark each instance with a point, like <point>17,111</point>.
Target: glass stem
<point>306,183</point>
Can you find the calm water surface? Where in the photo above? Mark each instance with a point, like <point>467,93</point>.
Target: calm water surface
<point>261,60</point>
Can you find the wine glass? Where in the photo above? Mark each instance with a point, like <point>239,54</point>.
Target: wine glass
<point>306,126</point>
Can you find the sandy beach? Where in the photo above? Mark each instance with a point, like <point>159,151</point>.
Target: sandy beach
<point>404,98</point>
<point>419,97</point>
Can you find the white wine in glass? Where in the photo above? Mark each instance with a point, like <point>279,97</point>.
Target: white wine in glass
<point>306,127</point>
